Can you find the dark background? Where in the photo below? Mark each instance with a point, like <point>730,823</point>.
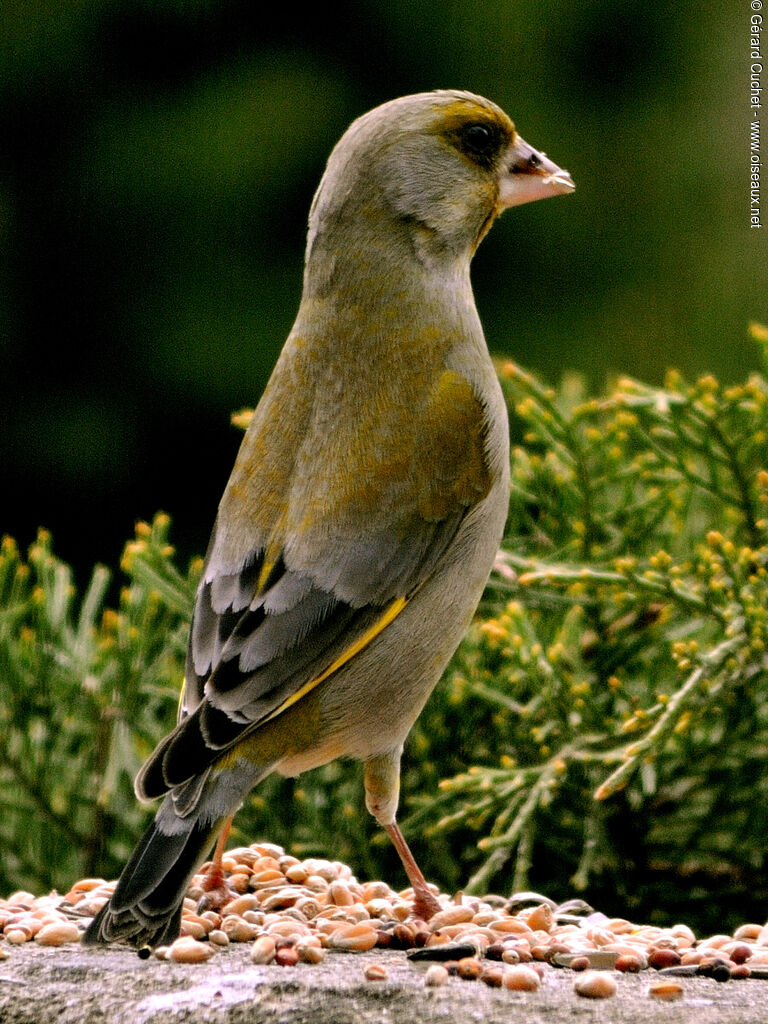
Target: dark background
<point>157,161</point>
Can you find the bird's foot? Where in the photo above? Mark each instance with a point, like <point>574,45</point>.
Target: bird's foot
<point>216,890</point>
<point>425,904</point>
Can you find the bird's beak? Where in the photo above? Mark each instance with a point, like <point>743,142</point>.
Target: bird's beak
<point>530,175</point>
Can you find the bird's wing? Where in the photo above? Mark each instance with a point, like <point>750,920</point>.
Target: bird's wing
<point>297,610</point>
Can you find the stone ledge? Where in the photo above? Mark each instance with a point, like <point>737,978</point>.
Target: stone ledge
<point>72,985</point>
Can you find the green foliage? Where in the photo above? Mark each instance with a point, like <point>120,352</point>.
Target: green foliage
<point>610,697</point>
<point>622,661</point>
<point>85,693</point>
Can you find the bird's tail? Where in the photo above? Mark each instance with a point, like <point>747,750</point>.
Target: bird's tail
<point>145,908</point>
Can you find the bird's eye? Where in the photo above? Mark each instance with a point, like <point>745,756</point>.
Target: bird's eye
<point>477,138</point>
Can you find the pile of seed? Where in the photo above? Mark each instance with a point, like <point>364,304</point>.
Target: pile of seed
<point>293,911</point>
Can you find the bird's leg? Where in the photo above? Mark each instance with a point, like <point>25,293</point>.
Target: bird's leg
<point>382,790</point>
<point>216,891</point>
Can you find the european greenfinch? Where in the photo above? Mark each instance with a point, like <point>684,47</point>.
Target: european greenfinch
<point>366,505</point>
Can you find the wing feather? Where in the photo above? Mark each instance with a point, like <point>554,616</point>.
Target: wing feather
<point>337,567</point>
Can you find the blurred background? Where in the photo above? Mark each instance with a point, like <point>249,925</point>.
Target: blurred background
<point>157,164</point>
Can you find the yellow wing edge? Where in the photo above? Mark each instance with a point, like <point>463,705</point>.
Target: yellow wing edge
<point>390,613</point>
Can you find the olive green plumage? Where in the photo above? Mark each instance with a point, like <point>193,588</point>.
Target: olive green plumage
<point>367,502</point>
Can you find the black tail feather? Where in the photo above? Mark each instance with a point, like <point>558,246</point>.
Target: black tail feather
<point>145,909</point>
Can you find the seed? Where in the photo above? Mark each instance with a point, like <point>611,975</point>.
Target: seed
<point>541,918</point>
<point>285,927</point>
<point>521,979</point>
<point>666,990</point>
<point>91,907</point>
<point>541,952</point>
<point>628,964</point>
<point>485,918</point>
<point>747,932</point>
<point>316,883</point>
<point>683,932</point>
<point>740,971</point>
<point>620,926</point>
<point>740,953</point>
<point>239,882</point>
<point>436,976</point>
<point>240,904</point>
<point>17,936</point>
<point>297,873</point>
<point>339,894</point>
<point>286,956</point>
<point>263,950</point>
<point>380,908</point>
<point>450,916</point>
<point>57,933</point>
<point>218,937</point>
<point>310,954</point>
<point>353,936</point>
<point>513,925</point>
<point>492,976</point>
<point>469,968</point>
<point>376,972</point>
<point>691,956</point>
<point>288,896</point>
<point>268,850</point>
<point>21,899</point>
<point>579,963</point>
<point>376,891</point>
<point>238,930</point>
<point>189,951</point>
<point>193,929</point>
<point>309,907</point>
<point>403,936</point>
<point>660,958</point>
<point>595,985</point>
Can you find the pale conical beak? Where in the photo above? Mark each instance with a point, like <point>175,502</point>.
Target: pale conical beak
<point>529,175</point>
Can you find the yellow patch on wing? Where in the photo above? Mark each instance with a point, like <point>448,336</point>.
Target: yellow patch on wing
<point>388,615</point>
<point>182,695</point>
<point>268,566</point>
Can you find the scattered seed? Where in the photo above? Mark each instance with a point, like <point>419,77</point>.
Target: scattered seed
<point>492,976</point>
<point>521,979</point>
<point>376,972</point>
<point>469,968</point>
<point>668,991</point>
<point>286,956</point>
<point>263,950</point>
<point>189,951</point>
<point>57,933</point>
<point>436,976</point>
<point>595,985</point>
<point>309,954</point>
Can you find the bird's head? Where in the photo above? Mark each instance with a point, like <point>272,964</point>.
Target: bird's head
<point>427,174</point>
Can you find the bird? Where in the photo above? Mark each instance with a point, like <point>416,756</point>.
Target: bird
<point>366,505</point>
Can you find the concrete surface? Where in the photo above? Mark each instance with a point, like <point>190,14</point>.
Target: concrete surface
<point>72,985</point>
